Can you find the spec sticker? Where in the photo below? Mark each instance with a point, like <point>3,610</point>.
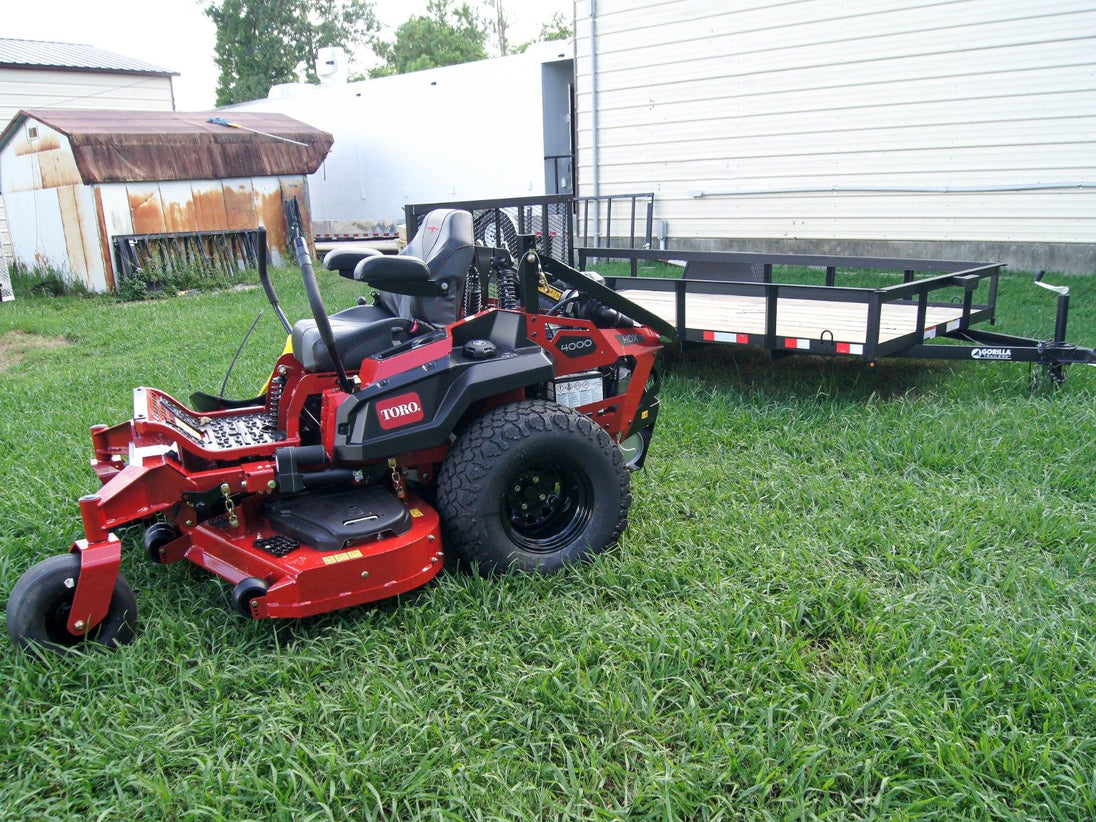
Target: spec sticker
<point>551,292</point>
<point>991,353</point>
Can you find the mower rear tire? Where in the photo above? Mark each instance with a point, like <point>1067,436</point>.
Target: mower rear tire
<point>532,486</point>
<point>40,603</point>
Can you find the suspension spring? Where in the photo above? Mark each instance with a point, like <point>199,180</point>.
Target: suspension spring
<point>277,386</point>
<point>508,289</point>
<point>473,297</point>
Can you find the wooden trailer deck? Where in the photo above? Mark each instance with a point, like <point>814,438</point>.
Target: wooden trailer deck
<point>843,322</point>
<point>735,300</point>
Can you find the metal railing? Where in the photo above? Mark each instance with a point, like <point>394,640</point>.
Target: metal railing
<point>751,275</point>
<point>599,227</point>
<point>225,251</point>
<point>500,221</point>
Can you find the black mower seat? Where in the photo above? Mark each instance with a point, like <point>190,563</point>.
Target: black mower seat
<point>360,332</point>
<point>445,243</point>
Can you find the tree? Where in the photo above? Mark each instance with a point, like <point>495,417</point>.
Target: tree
<point>444,36</point>
<point>556,28</point>
<point>263,42</point>
<point>499,25</point>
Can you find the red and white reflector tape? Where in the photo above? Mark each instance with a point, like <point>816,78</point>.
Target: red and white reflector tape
<point>727,337</point>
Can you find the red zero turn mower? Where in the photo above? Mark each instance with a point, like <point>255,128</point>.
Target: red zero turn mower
<point>517,397</point>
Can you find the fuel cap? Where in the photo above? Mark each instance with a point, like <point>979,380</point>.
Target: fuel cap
<point>480,349</point>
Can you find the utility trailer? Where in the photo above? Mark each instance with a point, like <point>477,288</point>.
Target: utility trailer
<point>732,298</point>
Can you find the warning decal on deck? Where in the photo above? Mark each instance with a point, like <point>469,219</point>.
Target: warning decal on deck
<point>345,556</point>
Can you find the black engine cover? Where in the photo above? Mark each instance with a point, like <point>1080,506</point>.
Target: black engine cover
<point>331,521</point>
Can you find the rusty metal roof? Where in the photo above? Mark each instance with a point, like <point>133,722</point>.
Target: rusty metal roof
<point>71,57</point>
<point>130,146</point>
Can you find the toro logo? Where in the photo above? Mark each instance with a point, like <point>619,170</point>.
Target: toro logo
<point>399,411</point>
<point>576,346</point>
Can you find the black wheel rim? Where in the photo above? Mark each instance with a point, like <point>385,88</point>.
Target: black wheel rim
<point>547,505</point>
<point>56,624</point>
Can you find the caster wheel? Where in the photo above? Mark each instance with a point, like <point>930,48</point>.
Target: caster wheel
<point>156,537</point>
<point>40,603</point>
<point>245,591</point>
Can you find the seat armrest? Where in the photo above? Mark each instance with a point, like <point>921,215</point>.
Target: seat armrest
<point>345,260</point>
<point>402,274</point>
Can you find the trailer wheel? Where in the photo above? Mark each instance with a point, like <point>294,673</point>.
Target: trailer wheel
<point>532,486</point>
<point>40,603</point>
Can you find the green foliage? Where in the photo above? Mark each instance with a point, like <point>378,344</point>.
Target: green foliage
<point>444,36</point>
<point>557,27</point>
<point>43,282</point>
<point>845,593</point>
<point>264,42</point>
<point>155,281</point>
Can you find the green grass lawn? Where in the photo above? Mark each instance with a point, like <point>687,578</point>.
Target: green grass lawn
<point>844,593</point>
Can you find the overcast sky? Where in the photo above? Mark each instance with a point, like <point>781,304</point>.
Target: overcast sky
<point>176,35</point>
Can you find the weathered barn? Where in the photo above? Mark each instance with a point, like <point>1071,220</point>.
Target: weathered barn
<point>962,129</point>
<point>86,188</point>
<point>38,74</point>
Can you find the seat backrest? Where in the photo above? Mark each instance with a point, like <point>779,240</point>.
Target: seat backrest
<point>446,244</point>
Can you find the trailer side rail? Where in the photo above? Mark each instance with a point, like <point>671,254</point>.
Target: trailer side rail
<point>821,319</point>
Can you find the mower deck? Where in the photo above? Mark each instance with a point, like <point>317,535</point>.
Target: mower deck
<point>307,580</point>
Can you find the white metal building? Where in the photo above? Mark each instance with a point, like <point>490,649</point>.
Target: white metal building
<point>488,129</point>
<point>952,129</point>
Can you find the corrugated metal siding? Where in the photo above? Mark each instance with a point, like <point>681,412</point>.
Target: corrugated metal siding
<point>24,87</point>
<point>77,56</point>
<point>70,229</point>
<point>5,235</point>
<point>5,255</point>
<point>825,94</point>
<point>41,88</point>
<point>59,222</point>
<point>123,146</point>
